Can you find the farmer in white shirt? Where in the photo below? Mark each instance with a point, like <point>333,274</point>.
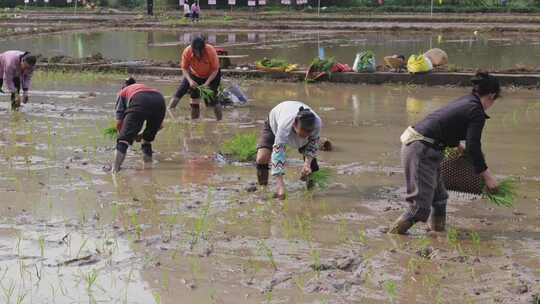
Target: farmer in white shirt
<point>293,124</point>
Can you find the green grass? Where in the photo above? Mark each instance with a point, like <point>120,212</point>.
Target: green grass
<point>242,147</point>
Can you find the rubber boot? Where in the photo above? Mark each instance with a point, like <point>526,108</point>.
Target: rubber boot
<point>437,217</point>
<point>147,152</point>
<point>174,102</point>
<point>195,111</point>
<point>402,225</point>
<point>262,174</point>
<point>15,102</point>
<point>218,111</point>
<point>118,160</point>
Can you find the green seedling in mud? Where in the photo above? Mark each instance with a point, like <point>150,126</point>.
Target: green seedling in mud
<point>254,267</point>
<point>134,219</point>
<point>201,226</point>
<point>453,239</point>
<point>195,267</point>
<point>83,244</point>
<point>242,147</point>
<point>299,282</point>
<point>227,18</point>
<point>8,291</point>
<point>362,236</point>
<point>41,242</point>
<point>268,297</point>
<point>304,225</point>
<point>343,231</point>
<point>475,239</point>
<point>321,178</point>
<point>267,251</point>
<point>390,288</point>
<point>20,298</point>
<point>157,297</point>
<point>316,257</point>
<point>90,279</point>
<point>412,265</point>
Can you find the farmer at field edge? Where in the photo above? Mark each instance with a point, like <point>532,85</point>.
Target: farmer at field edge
<point>292,124</point>
<point>16,68</point>
<point>136,104</point>
<point>423,146</point>
<point>200,67</point>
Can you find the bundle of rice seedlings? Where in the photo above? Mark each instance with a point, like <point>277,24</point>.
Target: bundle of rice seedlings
<point>273,63</point>
<point>242,147</point>
<point>321,178</point>
<point>206,93</point>
<point>505,194</point>
<point>110,132</point>
<point>323,65</point>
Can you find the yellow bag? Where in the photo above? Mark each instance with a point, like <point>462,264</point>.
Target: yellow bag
<point>418,64</point>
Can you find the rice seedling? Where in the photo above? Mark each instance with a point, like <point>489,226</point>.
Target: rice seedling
<point>475,239</point>
<point>362,236</point>
<point>8,291</point>
<point>110,132</point>
<point>343,231</point>
<point>453,239</point>
<point>316,257</point>
<point>201,226</point>
<point>263,249</point>
<point>323,65</point>
<point>90,279</point>
<point>321,178</point>
<point>504,195</point>
<point>390,288</point>
<point>242,147</point>
<point>206,94</point>
<point>273,63</point>
<point>41,242</point>
<point>157,297</point>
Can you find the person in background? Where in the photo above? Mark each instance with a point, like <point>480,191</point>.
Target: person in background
<point>195,11</point>
<point>136,104</point>
<point>423,147</point>
<point>293,124</point>
<point>200,66</point>
<point>16,69</point>
<point>187,10</point>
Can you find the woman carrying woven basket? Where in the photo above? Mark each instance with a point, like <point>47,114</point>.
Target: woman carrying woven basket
<point>422,152</point>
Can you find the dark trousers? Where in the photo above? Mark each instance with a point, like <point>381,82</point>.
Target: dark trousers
<point>184,87</point>
<point>425,187</point>
<point>144,106</point>
<point>150,7</point>
<point>16,81</point>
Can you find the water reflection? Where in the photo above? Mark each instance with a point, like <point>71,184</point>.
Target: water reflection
<point>480,51</point>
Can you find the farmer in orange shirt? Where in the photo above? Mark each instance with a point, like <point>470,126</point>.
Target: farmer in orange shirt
<point>200,67</point>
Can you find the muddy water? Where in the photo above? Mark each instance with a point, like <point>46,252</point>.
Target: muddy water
<point>188,231</point>
<point>465,49</point>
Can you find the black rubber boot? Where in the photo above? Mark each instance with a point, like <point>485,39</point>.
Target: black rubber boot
<point>147,152</point>
<point>262,174</point>
<point>218,111</point>
<point>195,111</point>
<point>437,217</point>
<point>118,160</point>
<point>402,225</point>
<point>15,102</point>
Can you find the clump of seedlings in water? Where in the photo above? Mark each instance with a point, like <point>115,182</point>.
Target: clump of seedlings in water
<point>242,147</point>
<point>321,178</point>
<point>453,239</point>
<point>110,132</point>
<point>505,193</point>
<point>390,288</point>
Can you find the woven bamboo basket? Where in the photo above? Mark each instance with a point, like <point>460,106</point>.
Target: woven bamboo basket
<point>458,174</point>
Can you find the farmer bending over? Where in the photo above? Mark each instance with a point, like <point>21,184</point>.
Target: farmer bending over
<point>423,146</point>
<point>136,104</point>
<point>200,66</point>
<point>16,68</point>
<point>294,124</point>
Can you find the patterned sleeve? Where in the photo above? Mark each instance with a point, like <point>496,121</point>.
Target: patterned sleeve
<point>278,160</point>
<point>312,146</point>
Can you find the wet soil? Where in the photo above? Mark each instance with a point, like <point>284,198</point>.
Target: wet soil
<point>191,229</point>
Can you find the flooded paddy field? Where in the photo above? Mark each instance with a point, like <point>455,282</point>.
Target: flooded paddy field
<point>194,228</point>
<point>465,50</point>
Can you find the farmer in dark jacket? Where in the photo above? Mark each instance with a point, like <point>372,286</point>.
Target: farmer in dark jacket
<point>423,146</point>
<point>136,104</point>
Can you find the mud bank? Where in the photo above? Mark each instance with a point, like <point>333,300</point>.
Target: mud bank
<point>429,79</point>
